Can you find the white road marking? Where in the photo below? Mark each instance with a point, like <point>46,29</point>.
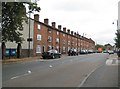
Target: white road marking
<point>14,77</point>
<point>84,80</point>
<point>28,72</point>
<point>109,62</point>
<point>50,66</point>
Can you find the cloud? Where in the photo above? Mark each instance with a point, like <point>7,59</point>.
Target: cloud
<point>73,5</point>
<point>93,17</point>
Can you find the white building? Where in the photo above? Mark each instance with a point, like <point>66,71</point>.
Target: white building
<point>25,50</point>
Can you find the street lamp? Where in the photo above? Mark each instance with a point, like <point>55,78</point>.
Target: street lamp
<point>29,39</point>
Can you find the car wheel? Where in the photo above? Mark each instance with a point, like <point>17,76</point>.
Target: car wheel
<point>59,56</point>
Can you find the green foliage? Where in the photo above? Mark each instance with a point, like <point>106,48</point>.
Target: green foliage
<point>13,16</point>
<point>99,46</point>
<point>117,39</point>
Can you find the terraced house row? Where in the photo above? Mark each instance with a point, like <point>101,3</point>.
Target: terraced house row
<point>40,37</point>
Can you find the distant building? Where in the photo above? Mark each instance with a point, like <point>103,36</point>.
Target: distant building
<point>109,47</point>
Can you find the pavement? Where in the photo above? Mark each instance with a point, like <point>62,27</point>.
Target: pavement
<point>16,60</point>
<point>106,75</point>
<point>114,58</point>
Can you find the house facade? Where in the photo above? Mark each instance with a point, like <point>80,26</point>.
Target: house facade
<point>45,37</point>
<point>57,38</point>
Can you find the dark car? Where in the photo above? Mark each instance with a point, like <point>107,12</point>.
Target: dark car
<point>51,54</point>
<point>83,52</point>
<point>72,52</point>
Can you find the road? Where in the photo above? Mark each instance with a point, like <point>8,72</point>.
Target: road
<point>69,71</point>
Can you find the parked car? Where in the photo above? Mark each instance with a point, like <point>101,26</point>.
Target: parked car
<point>110,51</point>
<point>90,51</point>
<point>83,52</point>
<point>72,52</point>
<point>105,51</point>
<point>51,54</point>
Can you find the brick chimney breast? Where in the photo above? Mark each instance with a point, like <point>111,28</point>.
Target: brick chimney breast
<point>36,17</point>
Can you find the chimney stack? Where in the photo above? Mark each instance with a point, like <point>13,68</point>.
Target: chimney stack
<point>59,27</point>
<point>68,31</point>
<point>64,29</point>
<point>75,34</point>
<point>46,21</point>
<point>71,32</point>
<point>53,24</point>
<point>36,17</point>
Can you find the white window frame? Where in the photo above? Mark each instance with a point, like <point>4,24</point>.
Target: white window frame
<point>68,42</point>
<point>64,48</point>
<point>49,30</point>
<point>63,35</point>
<point>49,39</point>
<point>39,26</point>
<point>39,37</point>
<point>57,33</point>
<point>68,48</point>
<point>57,47</point>
<point>57,40</point>
<point>0,25</point>
<point>38,49</point>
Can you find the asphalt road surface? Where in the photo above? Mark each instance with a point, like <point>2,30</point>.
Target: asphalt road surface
<point>68,71</point>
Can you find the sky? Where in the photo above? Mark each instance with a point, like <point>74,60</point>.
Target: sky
<point>93,18</point>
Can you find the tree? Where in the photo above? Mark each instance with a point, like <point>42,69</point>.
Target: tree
<point>13,16</point>
<point>117,39</point>
<point>99,46</point>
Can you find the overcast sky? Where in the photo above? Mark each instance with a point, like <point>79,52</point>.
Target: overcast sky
<point>91,17</point>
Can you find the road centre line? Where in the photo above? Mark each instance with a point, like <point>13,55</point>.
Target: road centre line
<point>28,72</point>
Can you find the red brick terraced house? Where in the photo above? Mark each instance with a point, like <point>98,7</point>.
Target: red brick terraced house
<point>45,37</point>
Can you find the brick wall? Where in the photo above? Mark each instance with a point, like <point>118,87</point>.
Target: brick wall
<point>67,38</point>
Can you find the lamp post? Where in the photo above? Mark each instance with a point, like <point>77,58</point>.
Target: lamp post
<point>117,38</point>
<point>29,39</point>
